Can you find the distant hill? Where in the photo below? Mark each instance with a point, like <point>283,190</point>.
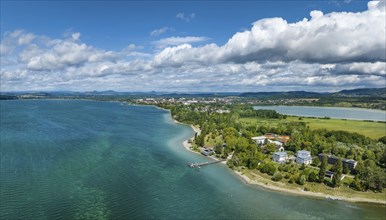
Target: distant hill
<point>291,94</point>
<point>375,92</point>
<point>8,97</point>
<point>371,92</point>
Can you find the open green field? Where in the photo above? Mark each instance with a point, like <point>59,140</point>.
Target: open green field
<point>210,141</point>
<point>373,130</point>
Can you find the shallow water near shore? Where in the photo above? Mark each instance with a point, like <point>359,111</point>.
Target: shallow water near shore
<point>79,159</point>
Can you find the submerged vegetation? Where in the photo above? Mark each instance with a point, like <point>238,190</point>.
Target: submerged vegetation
<point>228,130</point>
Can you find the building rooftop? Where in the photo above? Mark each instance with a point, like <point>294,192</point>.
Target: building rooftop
<point>303,152</point>
<point>328,174</point>
<point>349,161</point>
<point>281,153</point>
<point>335,157</point>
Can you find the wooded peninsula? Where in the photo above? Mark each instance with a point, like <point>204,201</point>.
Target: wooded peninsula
<point>265,145</point>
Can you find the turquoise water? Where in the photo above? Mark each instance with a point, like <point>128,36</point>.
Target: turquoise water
<point>332,112</point>
<point>97,160</point>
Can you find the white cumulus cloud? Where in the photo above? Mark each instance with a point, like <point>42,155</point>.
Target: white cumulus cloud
<point>326,38</point>
<point>327,51</point>
<point>175,41</point>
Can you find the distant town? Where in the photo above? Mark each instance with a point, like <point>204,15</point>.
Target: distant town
<point>374,98</point>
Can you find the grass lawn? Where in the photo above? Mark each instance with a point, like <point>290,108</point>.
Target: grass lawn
<point>209,141</point>
<point>373,130</point>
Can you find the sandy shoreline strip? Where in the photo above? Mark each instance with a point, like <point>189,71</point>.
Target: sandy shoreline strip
<point>186,144</point>
<point>301,192</point>
<point>266,185</point>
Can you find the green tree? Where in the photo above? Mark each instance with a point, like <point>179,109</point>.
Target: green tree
<point>313,177</point>
<point>271,148</point>
<point>338,173</point>
<point>200,140</point>
<point>316,161</point>
<point>268,168</point>
<point>346,170</point>
<point>383,157</point>
<point>292,179</point>
<point>368,155</point>
<point>277,176</point>
<point>301,180</point>
<point>218,149</point>
<point>323,168</point>
<point>253,163</point>
<point>356,184</point>
<point>359,167</point>
<point>372,176</point>
<point>382,139</point>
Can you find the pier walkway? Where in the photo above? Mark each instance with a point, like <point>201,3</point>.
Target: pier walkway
<point>199,165</point>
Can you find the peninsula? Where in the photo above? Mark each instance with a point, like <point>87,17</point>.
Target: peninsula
<point>289,154</point>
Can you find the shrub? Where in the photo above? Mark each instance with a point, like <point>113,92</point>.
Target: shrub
<point>313,177</point>
<point>268,168</point>
<point>291,179</point>
<point>253,163</point>
<point>277,176</point>
<point>230,164</point>
<point>301,180</point>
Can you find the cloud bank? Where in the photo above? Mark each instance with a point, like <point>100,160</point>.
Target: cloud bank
<point>325,52</point>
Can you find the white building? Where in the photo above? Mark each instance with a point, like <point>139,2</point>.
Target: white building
<point>280,157</point>
<point>277,143</point>
<point>221,111</point>
<point>303,157</point>
<point>259,139</point>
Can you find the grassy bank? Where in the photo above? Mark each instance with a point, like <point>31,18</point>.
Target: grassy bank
<point>373,130</point>
<point>313,189</point>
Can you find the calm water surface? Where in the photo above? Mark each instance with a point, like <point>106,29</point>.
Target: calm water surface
<point>332,112</point>
<point>105,160</point>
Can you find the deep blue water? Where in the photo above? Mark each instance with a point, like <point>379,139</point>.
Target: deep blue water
<point>332,112</point>
<point>105,160</point>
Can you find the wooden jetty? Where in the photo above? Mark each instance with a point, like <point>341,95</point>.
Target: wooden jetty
<point>199,165</point>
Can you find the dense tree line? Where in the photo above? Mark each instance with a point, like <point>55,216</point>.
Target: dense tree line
<point>248,111</point>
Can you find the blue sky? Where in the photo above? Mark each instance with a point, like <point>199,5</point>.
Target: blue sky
<point>114,24</point>
<point>162,45</point>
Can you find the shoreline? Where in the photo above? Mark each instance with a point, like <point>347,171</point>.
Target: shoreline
<point>185,143</point>
<point>299,192</point>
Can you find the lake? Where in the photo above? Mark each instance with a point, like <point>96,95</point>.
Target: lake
<point>105,160</point>
<point>332,112</point>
